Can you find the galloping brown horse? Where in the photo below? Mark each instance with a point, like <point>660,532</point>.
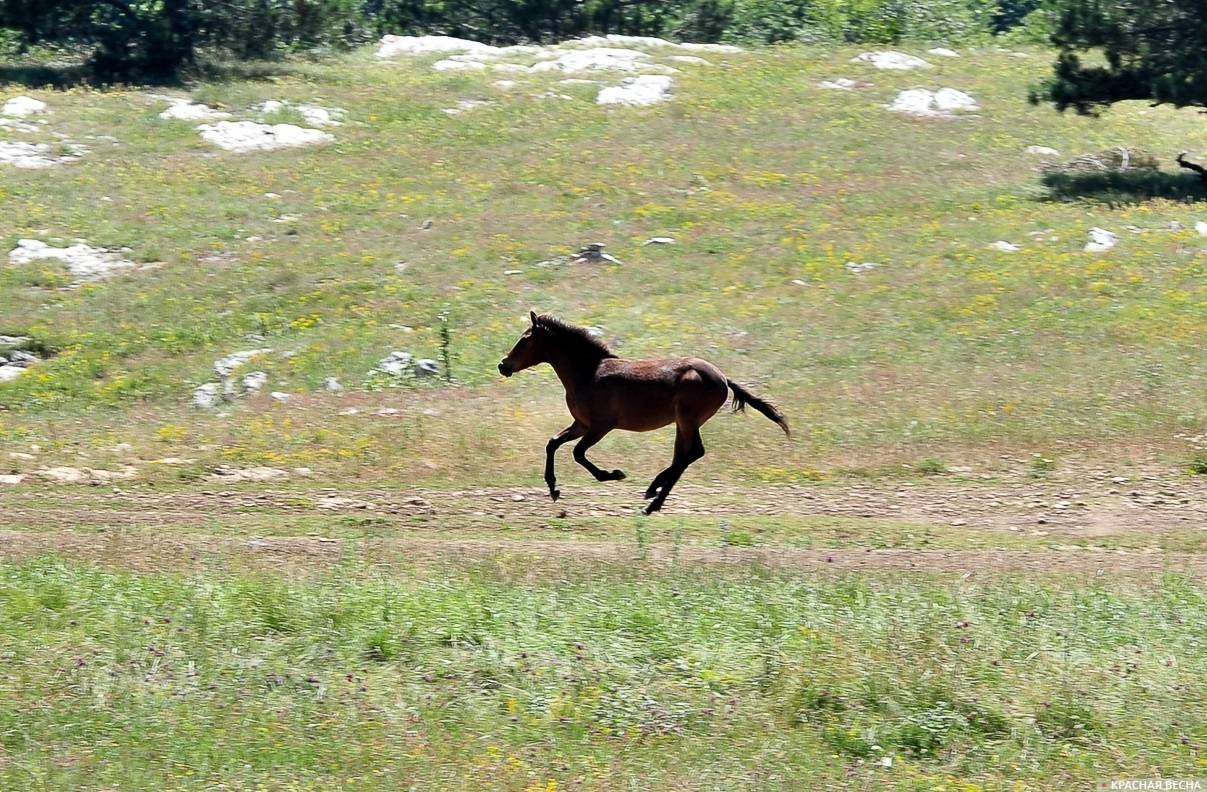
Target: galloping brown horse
<point>605,392</point>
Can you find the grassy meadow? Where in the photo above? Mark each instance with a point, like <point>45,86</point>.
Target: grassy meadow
<point>162,636</point>
<point>763,179</point>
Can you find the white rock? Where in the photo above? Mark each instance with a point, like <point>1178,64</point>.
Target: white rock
<point>8,373</point>
<point>647,89</point>
<point>393,46</point>
<point>618,39</point>
<point>1100,240</point>
<point>426,368</point>
<point>23,107</point>
<point>18,125</point>
<point>839,84</point>
<point>943,52</point>
<point>595,59</point>
<point>21,456</point>
<point>189,111</point>
<point>659,240</point>
<point>225,366</point>
<point>949,99</point>
<point>37,155</point>
<point>207,396</point>
<point>331,385</point>
<point>464,105</point>
<point>1004,246</point>
<point>858,267</point>
<point>280,396</point>
<point>1041,151</point>
<point>510,68</point>
<point>505,85</point>
<point>692,59</point>
<point>248,474</point>
<point>452,65</point>
<point>321,116</point>
<point>63,475</point>
<point>926,103</point>
<point>85,263</point>
<point>11,479</point>
<point>254,381</point>
<point>1201,227</point>
<point>244,136</point>
<point>724,48</point>
<point>897,61</point>
<point>396,363</point>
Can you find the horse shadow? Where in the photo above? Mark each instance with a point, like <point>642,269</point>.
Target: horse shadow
<point>1125,187</point>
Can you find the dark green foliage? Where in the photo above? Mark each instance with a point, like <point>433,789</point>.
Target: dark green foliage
<point>133,39</point>
<point>140,39</point>
<point>1153,50</point>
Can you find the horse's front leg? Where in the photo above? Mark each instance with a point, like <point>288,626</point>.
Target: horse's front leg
<point>571,432</point>
<point>592,437</point>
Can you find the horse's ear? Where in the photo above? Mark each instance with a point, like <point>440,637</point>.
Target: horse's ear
<point>532,316</point>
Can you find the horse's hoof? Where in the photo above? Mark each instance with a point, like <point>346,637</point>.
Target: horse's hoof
<point>653,507</point>
<point>617,475</point>
<point>651,492</point>
<point>555,494</point>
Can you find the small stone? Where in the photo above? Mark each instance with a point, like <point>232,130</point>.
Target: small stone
<point>426,367</point>
<point>207,396</point>
<point>280,396</point>
<point>254,381</point>
<point>331,385</point>
<point>1100,240</point>
<point>659,240</point>
<point>395,363</point>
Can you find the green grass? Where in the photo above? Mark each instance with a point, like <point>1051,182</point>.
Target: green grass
<point>762,177</point>
<point>482,677</point>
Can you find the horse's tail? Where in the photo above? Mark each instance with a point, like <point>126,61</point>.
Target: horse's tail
<point>742,397</point>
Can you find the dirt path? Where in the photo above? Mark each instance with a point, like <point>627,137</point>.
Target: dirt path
<point>1088,508</point>
<point>142,551</point>
<point>135,527</point>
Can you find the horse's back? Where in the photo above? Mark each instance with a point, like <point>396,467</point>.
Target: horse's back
<point>649,394</point>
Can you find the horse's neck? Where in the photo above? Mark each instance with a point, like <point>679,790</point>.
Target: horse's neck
<point>575,371</point>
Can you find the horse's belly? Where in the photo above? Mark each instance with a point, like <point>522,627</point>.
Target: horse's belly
<point>645,419</point>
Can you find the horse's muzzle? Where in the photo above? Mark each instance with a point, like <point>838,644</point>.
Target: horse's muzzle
<point>505,369</point>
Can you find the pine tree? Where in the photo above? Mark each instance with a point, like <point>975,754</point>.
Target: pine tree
<point>1153,50</point>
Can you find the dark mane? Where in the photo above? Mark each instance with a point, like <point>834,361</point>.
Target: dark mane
<point>578,337</point>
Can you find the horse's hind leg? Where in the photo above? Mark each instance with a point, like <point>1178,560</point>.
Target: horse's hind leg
<point>571,432</point>
<point>592,437</point>
<point>689,447</point>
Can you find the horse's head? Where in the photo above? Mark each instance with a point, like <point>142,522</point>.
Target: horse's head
<point>529,350</point>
